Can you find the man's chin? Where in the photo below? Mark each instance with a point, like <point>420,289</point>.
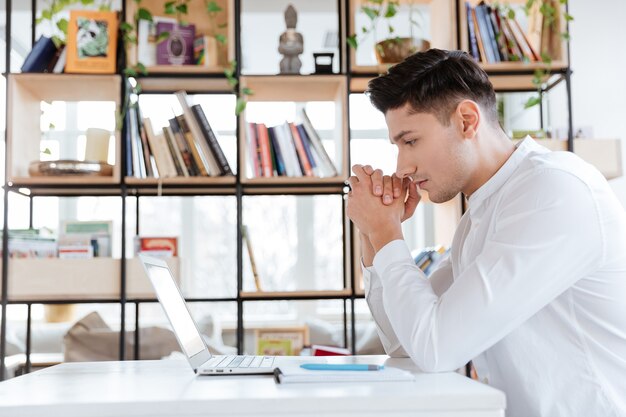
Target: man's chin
<point>438,198</point>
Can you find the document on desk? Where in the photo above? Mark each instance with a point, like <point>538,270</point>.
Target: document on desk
<point>296,374</point>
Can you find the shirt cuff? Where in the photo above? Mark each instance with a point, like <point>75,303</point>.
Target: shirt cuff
<point>370,278</point>
<point>394,252</point>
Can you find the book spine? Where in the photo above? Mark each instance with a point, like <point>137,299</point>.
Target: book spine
<point>484,34</point>
<point>181,142</point>
<point>147,167</point>
<point>209,135</point>
<point>500,38</point>
<point>479,38</point>
<point>290,148</point>
<point>196,134</point>
<point>318,145</point>
<point>254,150</point>
<point>182,122</point>
<point>307,148</point>
<point>277,152</point>
<point>303,158</point>
<point>177,158</point>
<point>266,157</point>
<point>471,36</point>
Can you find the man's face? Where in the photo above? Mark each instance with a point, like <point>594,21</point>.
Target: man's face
<point>436,156</point>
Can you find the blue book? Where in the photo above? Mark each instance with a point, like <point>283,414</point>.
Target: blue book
<point>306,144</point>
<point>473,43</point>
<point>280,162</point>
<point>40,56</point>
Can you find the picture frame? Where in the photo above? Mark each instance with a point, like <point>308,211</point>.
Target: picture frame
<point>92,42</point>
<point>281,341</point>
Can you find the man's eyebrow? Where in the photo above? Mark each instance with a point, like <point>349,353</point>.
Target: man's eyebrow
<point>397,137</point>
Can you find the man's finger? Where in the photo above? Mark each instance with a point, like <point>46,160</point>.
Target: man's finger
<point>412,200</point>
<point>387,190</point>
<point>397,186</point>
<point>368,169</point>
<point>377,182</point>
<point>360,173</point>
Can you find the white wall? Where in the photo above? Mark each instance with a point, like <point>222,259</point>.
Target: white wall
<point>598,61</point>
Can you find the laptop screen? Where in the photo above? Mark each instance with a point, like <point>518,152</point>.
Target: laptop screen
<point>176,310</point>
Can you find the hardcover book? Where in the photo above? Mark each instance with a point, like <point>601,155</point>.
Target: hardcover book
<point>177,48</point>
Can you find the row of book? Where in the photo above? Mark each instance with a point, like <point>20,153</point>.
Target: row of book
<point>188,147</point>
<point>429,258</point>
<point>289,149</point>
<point>495,36</point>
<point>77,240</point>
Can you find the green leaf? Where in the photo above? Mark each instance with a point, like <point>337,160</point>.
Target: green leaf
<point>566,36</point>
<point>51,126</point>
<point>182,8</point>
<point>144,14</point>
<point>162,36</point>
<point>142,69</point>
<point>247,91</point>
<point>240,106</point>
<point>62,25</point>
<point>126,27</point>
<point>391,11</point>
<point>371,13</point>
<point>511,14</point>
<point>213,7</point>
<point>47,151</point>
<point>232,81</point>
<point>221,39</point>
<point>546,58</point>
<point>532,101</point>
<point>170,8</point>
<point>130,72</point>
<point>57,41</point>
<point>222,26</point>
<point>352,41</point>
<point>568,17</point>
<point>86,2</point>
<point>46,14</point>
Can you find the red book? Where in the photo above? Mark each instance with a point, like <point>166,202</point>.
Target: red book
<point>321,350</point>
<point>159,244</point>
<point>304,160</point>
<point>264,144</point>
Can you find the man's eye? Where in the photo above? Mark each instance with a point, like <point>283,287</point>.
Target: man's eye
<point>410,142</point>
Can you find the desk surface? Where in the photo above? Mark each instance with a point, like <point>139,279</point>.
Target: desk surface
<point>169,388</point>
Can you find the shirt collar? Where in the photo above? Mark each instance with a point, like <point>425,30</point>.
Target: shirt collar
<point>503,174</point>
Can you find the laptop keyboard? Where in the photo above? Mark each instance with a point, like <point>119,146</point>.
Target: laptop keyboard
<point>240,361</point>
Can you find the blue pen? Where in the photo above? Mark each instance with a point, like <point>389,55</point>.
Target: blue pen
<point>341,367</point>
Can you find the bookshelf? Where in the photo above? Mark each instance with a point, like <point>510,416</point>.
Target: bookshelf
<point>120,280</point>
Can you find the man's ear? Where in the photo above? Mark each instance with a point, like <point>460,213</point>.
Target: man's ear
<point>469,116</point>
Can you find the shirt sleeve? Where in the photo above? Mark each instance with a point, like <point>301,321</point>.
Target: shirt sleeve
<point>374,298</point>
<point>540,244</point>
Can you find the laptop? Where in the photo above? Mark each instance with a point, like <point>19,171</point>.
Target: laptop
<point>186,329</point>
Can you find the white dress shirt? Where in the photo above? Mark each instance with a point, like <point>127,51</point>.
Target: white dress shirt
<point>534,290</point>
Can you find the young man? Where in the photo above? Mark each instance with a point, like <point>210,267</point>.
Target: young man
<point>534,290</point>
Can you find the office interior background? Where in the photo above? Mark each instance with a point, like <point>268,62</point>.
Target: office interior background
<point>298,239</point>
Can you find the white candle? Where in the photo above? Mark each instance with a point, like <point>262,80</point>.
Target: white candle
<point>97,144</point>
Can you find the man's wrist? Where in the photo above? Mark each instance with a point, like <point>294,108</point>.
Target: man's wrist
<point>380,238</point>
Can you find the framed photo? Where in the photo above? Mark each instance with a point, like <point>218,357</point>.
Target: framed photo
<point>92,42</point>
<point>285,341</point>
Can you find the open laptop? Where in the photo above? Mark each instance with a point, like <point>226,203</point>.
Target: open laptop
<point>186,330</point>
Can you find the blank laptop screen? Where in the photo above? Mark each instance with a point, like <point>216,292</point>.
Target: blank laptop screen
<point>176,310</point>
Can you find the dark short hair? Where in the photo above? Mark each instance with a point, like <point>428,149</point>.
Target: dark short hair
<point>434,82</point>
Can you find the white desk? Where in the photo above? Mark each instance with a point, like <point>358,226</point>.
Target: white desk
<point>170,389</point>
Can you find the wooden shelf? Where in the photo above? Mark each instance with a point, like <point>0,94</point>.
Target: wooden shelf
<point>442,35</point>
<point>191,85</point>
<point>26,92</point>
<point>296,294</point>
<point>198,16</point>
<point>61,181</point>
<point>78,279</point>
<point>190,181</point>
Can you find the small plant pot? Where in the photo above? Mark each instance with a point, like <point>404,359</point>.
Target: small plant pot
<point>392,51</point>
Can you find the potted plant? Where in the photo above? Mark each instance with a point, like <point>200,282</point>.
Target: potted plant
<point>393,48</point>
